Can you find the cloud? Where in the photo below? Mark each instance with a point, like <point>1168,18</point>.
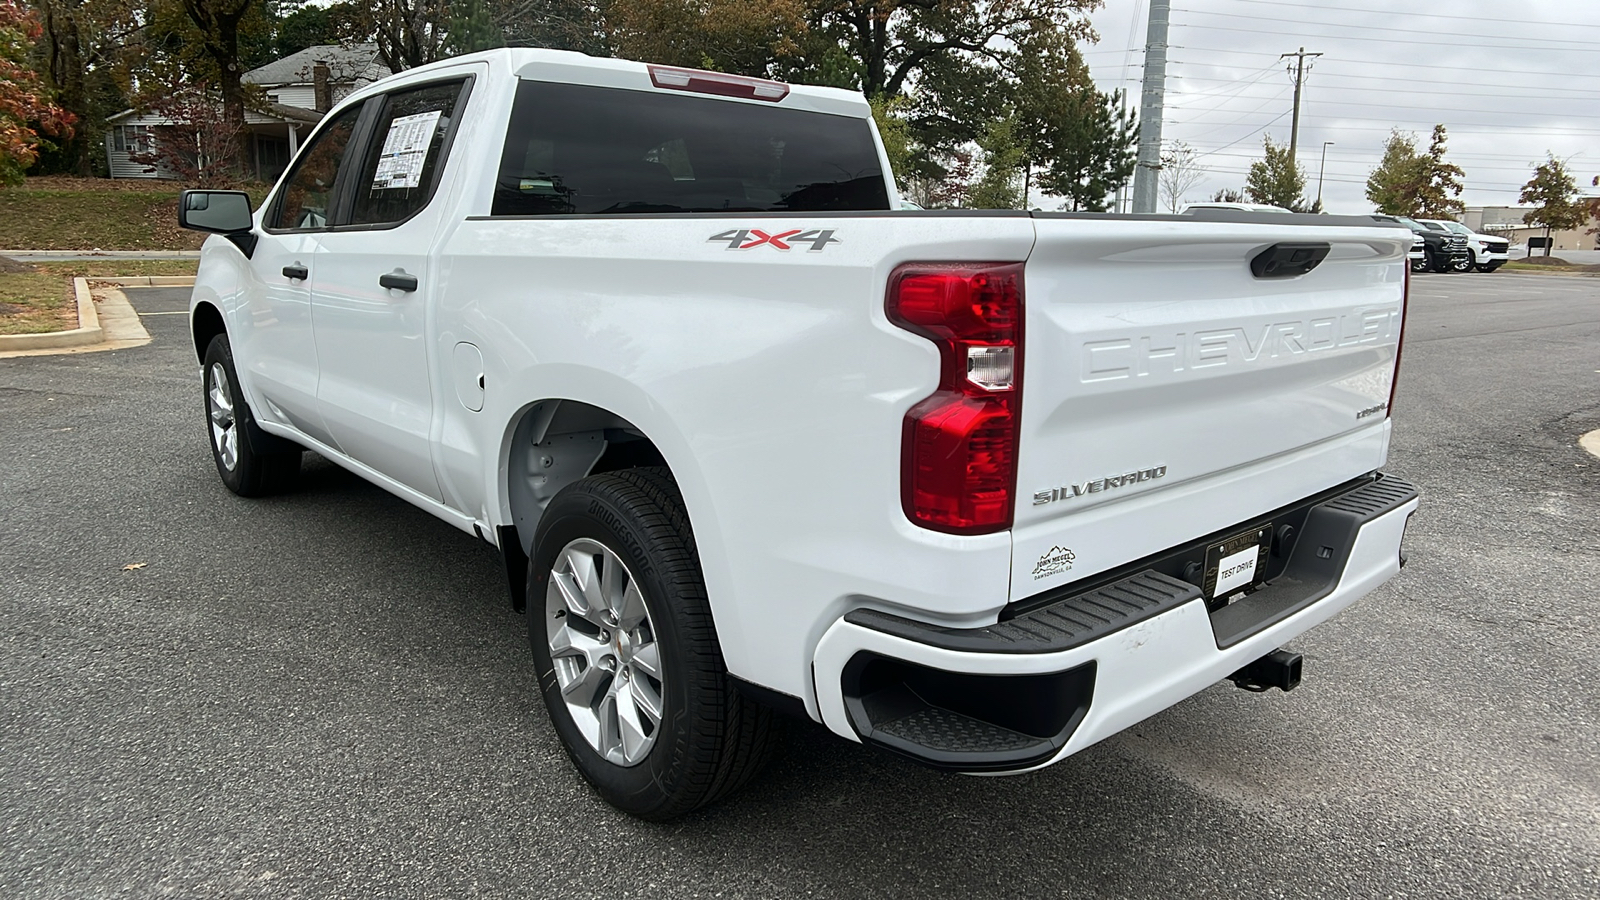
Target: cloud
<point>1508,87</point>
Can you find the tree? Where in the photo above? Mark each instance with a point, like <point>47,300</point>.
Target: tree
<point>1077,137</point>
<point>408,33</point>
<point>1228,195</point>
<point>1440,182</point>
<point>1553,194</point>
<point>1275,179</point>
<point>1000,187</point>
<point>557,24</point>
<point>25,105</point>
<point>308,26</point>
<point>896,136</point>
<point>1410,183</point>
<point>218,24</point>
<point>1396,182</point>
<point>80,56</point>
<point>745,37</point>
<point>1180,172</point>
<point>1591,208</point>
<point>958,60</point>
<point>472,29</point>
<point>200,145</point>
<point>952,190</point>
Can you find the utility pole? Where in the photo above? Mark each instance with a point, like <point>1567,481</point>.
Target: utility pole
<point>1321,171</point>
<point>1299,70</point>
<point>1151,108</point>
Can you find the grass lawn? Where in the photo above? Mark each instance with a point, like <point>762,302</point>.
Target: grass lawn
<point>58,213</point>
<point>31,303</point>
<point>39,297</point>
<point>1545,269</point>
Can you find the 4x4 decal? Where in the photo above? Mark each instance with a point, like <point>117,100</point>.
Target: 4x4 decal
<point>745,238</point>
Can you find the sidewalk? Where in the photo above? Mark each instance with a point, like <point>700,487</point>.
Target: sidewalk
<point>70,255</point>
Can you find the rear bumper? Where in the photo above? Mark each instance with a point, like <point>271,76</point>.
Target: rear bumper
<point>1056,678</point>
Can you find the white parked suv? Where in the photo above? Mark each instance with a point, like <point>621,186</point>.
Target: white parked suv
<point>978,488</point>
<point>1488,252</point>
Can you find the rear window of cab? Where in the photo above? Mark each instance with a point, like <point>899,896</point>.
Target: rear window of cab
<point>577,149</point>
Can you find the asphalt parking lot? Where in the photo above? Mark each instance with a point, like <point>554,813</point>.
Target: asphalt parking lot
<point>325,694</point>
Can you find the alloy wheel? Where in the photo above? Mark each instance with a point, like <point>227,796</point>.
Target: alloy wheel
<point>224,426</point>
<point>604,651</point>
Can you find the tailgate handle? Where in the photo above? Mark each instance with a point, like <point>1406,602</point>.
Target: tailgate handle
<point>1287,260</point>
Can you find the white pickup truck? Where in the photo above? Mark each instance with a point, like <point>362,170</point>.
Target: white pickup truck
<point>979,488</point>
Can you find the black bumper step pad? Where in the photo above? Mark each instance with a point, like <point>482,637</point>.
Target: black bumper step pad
<point>1307,570</point>
<point>1069,623</point>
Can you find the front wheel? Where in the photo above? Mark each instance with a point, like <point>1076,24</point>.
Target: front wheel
<point>1464,264</point>
<point>627,655</point>
<point>1437,262</point>
<point>238,446</point>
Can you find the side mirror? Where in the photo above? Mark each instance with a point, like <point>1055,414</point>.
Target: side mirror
<point>220,212</point>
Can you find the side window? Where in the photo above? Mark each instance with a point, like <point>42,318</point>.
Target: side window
<point>308,192</point>
<point>396,178</point>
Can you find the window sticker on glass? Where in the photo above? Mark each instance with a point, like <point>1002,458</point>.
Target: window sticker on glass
<point>405,150</point>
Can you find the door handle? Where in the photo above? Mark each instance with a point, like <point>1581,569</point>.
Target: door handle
<point>299,273</point>
<point>398,281</point>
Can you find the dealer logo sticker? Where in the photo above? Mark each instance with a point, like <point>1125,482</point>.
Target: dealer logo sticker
<point>813,240</point>
<point>1055,561</point>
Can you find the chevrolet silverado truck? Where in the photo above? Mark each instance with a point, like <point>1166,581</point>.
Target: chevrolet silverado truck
<point>977,488</point>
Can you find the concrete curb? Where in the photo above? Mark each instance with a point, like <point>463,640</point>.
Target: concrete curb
<point>147,281</point>
<point>115,325</point>
<point>87,332</point>
<point>1591,442</point>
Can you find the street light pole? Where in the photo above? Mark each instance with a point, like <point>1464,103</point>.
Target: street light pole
<point>1320,171</point>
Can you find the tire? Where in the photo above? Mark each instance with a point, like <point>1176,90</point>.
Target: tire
<point>251,462</point>
<point>707,739</point>
<point>1486,268</point>
<point>1467,264</point>
<point>1419,265</point>
<point>1437,262</point>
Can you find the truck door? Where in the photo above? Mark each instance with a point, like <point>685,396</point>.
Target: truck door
<point>372,291</point>
<point>274,331</point>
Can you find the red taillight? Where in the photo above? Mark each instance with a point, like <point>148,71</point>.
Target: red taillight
<point>958,467</point>
<point>1400,343</point>
<point>718,83</point>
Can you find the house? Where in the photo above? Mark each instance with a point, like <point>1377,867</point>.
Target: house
<point>299,88</point>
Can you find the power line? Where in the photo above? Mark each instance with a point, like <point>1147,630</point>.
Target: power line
<point>1385,29</point>
<point>1408,41</point>
<point>1434,109</point>
<point>1381,62</point>
<point>1277,4</point>
<point>1407,82</point>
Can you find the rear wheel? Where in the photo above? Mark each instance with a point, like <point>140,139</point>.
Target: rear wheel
<point>251,462</point>
<point>628,660</point>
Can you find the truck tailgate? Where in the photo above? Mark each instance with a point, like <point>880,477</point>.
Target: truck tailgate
<point>1156,364</point>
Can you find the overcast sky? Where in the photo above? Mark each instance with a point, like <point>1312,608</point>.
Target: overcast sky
<point>1510,79</point>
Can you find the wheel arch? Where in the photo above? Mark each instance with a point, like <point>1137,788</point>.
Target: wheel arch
<point>549,444</point>
<point>205,323</point>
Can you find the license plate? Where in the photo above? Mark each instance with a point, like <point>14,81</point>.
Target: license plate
<point>1237,563</point>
